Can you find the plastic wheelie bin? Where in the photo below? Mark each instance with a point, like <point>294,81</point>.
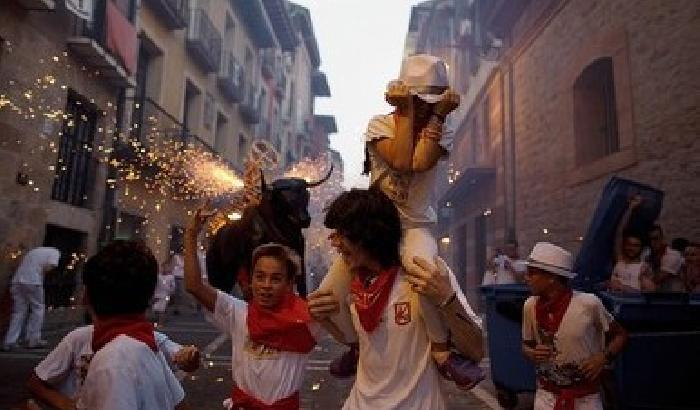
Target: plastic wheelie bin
<point>658,368</point>
<point>510,372</point>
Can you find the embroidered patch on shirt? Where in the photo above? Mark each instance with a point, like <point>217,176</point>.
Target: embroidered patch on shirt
<point>260,351</point>
<point>402,313</point>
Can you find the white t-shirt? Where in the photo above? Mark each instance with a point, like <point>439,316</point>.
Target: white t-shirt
<point>31,269</point>
<point>127,375</point>
<point>580,335</point>
<point>410,191</point>
<point>263,372</point>
<point>502,275</point>
<point>396,370</point>
<point>65,367</point>
<point>628,273</point>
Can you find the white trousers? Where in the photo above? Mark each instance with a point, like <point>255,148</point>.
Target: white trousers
<point>414,242</point>
<point>545,400</point>
<point>26,299</point>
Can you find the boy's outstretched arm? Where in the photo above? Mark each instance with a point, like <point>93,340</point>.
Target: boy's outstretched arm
<point>201,290</point>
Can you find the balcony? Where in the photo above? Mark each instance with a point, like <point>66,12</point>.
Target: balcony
<point>280,84</point>
<point>268,63</point>
<point>174,13</point>
<point>204,41</point>
<point>467,181</point>
<point>37,5</point>
<point>108,43</point>
<point>230,78</point>
<point>250,108</point>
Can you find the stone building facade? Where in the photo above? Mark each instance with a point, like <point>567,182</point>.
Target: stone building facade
<point>558,96</point>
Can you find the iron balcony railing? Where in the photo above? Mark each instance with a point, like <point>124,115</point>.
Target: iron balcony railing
<point>268,63</point>
<point>204,40</point>
<point>174,13</point>
<point>230,77</point>
<point>250,108</point>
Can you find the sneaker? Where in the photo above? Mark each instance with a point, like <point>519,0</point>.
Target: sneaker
<point>38,344</point>
<point>346,365</point>
<point>465,373</point>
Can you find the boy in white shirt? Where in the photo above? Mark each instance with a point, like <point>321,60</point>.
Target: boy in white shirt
<point>568,335</point>
<point>57,379</point>
<point>271,337</point>
<point>395,368</point>
<point>127,371</point>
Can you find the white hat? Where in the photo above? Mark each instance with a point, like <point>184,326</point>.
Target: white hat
<point>552,258</point>
<point>425,76</point>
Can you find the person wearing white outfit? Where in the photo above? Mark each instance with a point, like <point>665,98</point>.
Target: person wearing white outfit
<point>395,368</point>
<point>564,334</point>
<point>402,151</point>
<point>27,289</point>
<point>58,378</point>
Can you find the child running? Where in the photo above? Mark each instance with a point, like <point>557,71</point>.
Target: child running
<point>271,336</point>
<point>127,371</point>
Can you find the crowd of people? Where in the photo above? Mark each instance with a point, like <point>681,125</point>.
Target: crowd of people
<point>643,261</point>
<point>388,297</point>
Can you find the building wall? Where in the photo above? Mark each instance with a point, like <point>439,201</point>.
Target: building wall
<point>29,145</point>
<point>654,46</point>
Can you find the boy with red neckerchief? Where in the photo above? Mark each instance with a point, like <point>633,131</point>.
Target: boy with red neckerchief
<point>271,336</point>
<point>564,334</point>
<point>127,370</point>
<point>395,369</point>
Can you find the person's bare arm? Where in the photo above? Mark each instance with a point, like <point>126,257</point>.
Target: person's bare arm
<point>633,204</point>
<point>46,394</point>
<point>595,364</point>
<point>433,282</point>
<point>322,305</point>
<point>397,152</point>
<point>201,290</point>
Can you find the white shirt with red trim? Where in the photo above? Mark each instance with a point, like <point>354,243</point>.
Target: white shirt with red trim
<point>65,367</point>
<point>261,371</point>
<point>127,375</point>
<point>396,370</point>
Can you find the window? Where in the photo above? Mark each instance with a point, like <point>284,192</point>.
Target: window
<point>595,113</point>
<point>209,111</point>
<point>190,112</point>
<point>220,134</point>
<point>242,145</point>
<point>75,166</point>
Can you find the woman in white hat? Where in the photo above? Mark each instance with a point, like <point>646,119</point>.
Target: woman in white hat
<point>402,150</point>
<point>564,334</point>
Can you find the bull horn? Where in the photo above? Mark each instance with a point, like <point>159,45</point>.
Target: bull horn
<point>322,180</point>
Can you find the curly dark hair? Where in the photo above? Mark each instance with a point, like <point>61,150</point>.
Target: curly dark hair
<point>121,278</point>
<point>282,254</point>
<point>370,219</point>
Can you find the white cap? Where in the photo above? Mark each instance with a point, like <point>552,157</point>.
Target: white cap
<point>552,258</point>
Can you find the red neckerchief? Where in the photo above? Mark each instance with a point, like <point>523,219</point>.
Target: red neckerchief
<point>370,301</point>
<point>135,326</point>
<point>549,313</point>
<point>284,327</point>
<point>566,396</point>
<point>243,400</point>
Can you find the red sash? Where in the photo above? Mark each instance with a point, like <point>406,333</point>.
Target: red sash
<point>243,400</point>
<point>370,301</point>
<point>566,396</point>
<point>549,313</point>
<point>284,327</point>
<point>135,326</point>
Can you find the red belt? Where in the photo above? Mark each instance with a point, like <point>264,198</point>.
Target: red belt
<point>566,396</point>
<point>243,400</point>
